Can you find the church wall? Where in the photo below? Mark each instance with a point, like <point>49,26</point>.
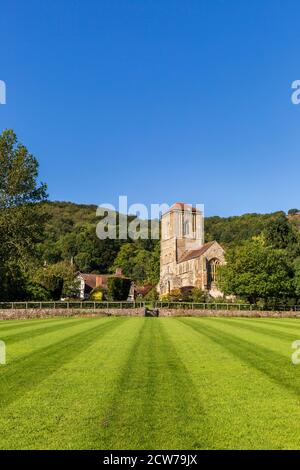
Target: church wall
<point>181,234</point>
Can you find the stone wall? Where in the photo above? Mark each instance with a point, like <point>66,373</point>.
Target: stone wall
<point>22,314</point>
<point>226,313</point>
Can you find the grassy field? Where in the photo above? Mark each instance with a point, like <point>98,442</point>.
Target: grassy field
<point>147,383</point>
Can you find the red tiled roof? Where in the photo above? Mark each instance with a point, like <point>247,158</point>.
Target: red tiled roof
<point>91,279</point>
<point>196,253</point>
<point>143,290</point>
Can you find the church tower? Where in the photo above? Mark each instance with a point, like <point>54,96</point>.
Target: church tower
<point>182,230</point>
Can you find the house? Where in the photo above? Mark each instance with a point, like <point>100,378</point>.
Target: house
<point>88,282</point>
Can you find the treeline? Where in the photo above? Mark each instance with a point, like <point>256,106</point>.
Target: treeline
<point>43,244</point>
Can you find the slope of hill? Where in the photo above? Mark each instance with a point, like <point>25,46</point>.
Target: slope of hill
<point>65,217</point>
<point>71,235</point>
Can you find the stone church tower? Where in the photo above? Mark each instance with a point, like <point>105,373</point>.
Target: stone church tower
<point>186,261</point>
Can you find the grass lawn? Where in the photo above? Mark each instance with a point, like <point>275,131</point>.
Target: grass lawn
<point>147,383</point>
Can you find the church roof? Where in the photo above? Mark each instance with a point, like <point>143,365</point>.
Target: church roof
<point>196,253</point>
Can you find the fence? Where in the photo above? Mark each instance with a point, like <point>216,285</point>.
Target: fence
<point>132,305</point>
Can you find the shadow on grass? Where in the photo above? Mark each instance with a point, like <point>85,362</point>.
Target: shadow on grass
<point>26,373</point>
<point>44,330</point>
<point>275,366</point>
<point>156,403</point>
<point>280,324</point>
<point>249,326</point>
<point>7,325</point>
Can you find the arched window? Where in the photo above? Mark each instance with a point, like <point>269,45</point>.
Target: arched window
<point>213,271</point>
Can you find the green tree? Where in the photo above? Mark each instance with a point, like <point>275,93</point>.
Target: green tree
<point>139,264</point>
<point>58,279</point>
<point>297,277</point>
<point>279,233</point>
<point>21,218</point>
<point>118,288</point>
<point>255,271</point>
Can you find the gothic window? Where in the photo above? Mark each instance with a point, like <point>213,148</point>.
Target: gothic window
<point>213,271</point>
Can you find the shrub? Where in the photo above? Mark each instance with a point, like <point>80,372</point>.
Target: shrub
<point>118,288</point>
<point>152,295</point>
<point>97,294</point>
<point>197,295</point>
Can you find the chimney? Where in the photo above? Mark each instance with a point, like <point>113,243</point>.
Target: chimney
<point>119,272</point>
<point>99,281</point>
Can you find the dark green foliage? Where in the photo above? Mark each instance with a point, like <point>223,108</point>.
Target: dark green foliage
<point>232,231</point>
<point>58,280</point>
<point>279,233</point>
<point>255,271</point>
<point>118,288</point>
<point>138,263</point>
<point>21,218</point>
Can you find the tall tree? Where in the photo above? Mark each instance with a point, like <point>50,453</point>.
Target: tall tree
<point>255,271</point>
<point>21,220</point>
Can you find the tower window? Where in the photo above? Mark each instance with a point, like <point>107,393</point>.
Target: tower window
<point>186,228</point>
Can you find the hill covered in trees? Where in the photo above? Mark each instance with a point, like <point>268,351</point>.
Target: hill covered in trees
<point>71,236</point>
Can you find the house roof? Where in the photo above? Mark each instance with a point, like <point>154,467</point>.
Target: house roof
<point>91,279</point>
<point>143,290</point>
<point>196,253</point>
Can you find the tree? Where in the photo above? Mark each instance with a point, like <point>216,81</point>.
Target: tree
<point>279,233</point>
<point>256,271</point>
<point>58,279</point>
<point>294,211</point>
<point>21,219</point>
<point>139,264</point>
<point>118,288</point>
<point>297,277</point>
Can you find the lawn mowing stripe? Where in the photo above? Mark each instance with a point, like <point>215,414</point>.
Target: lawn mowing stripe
<point>7,325</point>
<point>275,366</point>
<point>250,326</point>
<point>245,408</point>
<point>279,323</point>
<point>30,370</point>
<point>156,402</point>
<point>14,337</point>
<point>63,411</point>
<point>16,352</point>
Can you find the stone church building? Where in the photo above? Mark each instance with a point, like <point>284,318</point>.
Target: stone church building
<point>186,261</point>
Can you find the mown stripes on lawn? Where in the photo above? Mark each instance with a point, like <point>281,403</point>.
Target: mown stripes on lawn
<point>147,383</point>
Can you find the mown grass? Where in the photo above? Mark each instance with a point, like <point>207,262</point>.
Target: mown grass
<point>147,383</point>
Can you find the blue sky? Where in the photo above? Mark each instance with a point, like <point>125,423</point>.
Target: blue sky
<point>162,101</point>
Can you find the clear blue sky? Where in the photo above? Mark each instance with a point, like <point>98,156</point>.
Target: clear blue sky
<point>160,100</point>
